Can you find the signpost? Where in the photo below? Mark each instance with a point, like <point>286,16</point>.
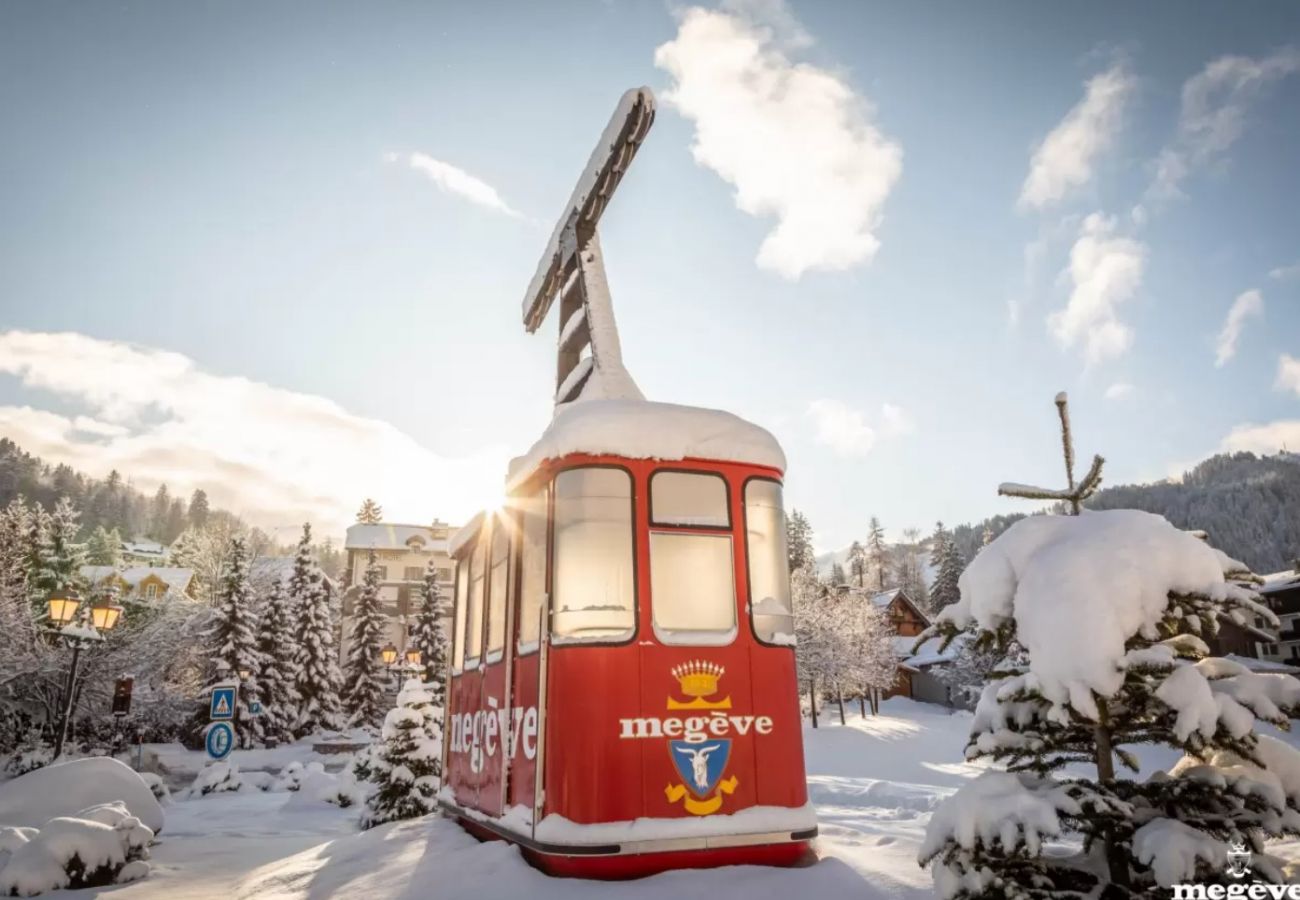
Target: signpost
<point>220,740</point>
<point>255,708</point>
<point>122,696</point>
<point>223,703</point>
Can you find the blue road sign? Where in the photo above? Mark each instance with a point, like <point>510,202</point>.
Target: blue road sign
<point>223,703</point>
<point>220,740</point>
<point>255,708</point>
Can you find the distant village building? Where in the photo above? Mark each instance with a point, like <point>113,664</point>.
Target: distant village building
<point>402,553</point>
<point>909,621</point>
<point>144,552</point>
<point>1282,592</point>
<point>143,583</point>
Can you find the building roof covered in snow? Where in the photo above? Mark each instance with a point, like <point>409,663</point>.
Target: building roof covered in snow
<point>641,429</point>
<point>173,577</point>
<point>393,536</point>
<point>144,548</point>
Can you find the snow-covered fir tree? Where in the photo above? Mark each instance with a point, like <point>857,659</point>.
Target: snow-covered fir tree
<point>428,636</point>
<point>59,555</point>
<point>405,770</point>
<point>316,670</point>
<point>877,557</point>
<point>857,563</point>
<point>370,513</point>
<point>799,541</point>
<point>278,655</point>
<point>1102,620</point>
<point>874,663</point>
<point>837,576</point>
<point>104,547</point>
<point>234,639</point>
<point>365,677</point>
<point>17,628</point>
<point>945,591</point>
<point>938,541</point>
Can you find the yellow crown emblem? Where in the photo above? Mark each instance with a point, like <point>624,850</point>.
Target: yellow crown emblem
<point>698,679</point>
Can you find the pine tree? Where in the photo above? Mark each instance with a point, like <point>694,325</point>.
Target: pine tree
<point>199,510</point>
<point>878,556</point>
<point>858,563</point>
<point>1099,623</point>
<point>59,556</point>
<point>407,767</point>
<point>370,513</point>
<point>364,679</point>
<point>907,565</point>
<point>16,624</point>
<point>838,578</point>
<point>428,636</point>
<point>277,654</point>
<point>234,637</point>
<point>316,671</point>
<point>937,543</point>
<point>799,538</point>
<point>159,508</point>
<point>104,548</point>
<point>945,591</point>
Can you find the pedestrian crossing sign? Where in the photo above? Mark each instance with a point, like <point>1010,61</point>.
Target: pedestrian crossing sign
<point>223,703</point>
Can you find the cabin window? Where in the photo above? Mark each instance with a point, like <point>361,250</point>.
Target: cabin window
<point>474,610</point>
<point>693,587</point>
<point>769,566</point>
<point>532,570</point>
<point>458,634</point>
<point>496,636</point>
<point>594,593</point>
<point>694,499</point>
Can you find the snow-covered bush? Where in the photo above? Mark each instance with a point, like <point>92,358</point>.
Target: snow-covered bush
<point>215,778</point>
<point>99,846</point>
<point>65,788</point>
<point>29,757</point>
<point>1100,618</point>
<point>156,786</point>
<point>319,786</point>
<point>292,775</point>
<point>405,771</point>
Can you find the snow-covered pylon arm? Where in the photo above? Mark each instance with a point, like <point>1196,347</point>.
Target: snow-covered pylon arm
<point>1074,494</point>
<point>573,269</point>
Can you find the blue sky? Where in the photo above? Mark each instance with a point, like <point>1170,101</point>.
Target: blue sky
<point>225,247</point>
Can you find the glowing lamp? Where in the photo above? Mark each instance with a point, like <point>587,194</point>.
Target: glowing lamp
<point>104,614</point>
<point>388,654</point>
<point>413,656</point>
<point>245,674</point>
<point>63,606</point>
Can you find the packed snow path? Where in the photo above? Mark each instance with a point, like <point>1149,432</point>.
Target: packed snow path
<point>874,782</point>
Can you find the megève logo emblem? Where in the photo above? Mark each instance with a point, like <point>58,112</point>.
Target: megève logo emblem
<point>699,680</point>
<point>1238,859</point>
<point>698,762</point>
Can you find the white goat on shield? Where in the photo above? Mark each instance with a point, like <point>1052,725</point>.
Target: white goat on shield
<point>699,763</point>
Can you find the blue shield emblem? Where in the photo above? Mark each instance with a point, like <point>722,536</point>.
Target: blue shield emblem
<point>700,764</point>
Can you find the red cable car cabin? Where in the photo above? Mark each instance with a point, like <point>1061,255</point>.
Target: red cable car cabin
<point>622,698</point>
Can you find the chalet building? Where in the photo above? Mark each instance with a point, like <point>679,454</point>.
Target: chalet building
<point>402,552</point>
<point>1282,591</point>
<point>147,583</point>
<point>909,621</point>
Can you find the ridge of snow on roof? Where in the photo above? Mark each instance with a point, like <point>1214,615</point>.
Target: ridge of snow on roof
<point>173,576</point>
<point>390,536</point>
<point>641,429</point>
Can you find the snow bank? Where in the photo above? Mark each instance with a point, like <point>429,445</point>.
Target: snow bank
<point>64,788</point>
<point>754,820</point>
<point>216,778</point>
<point>98,847</point>
<point>639,429</point>
<point>1078,588</point>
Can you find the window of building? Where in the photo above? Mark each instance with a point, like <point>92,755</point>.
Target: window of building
<point>695,499</point>
<point>498,585</point>
<point>412,573</point>
<point>383,573</point>
<point>532,569</point>
<point>770,608</point>
<point>444,574</point>
<point>150,590</point>
<point>693,587</point>
<point>462,596</point>
<point>474,608</point>
<point>594,586</point>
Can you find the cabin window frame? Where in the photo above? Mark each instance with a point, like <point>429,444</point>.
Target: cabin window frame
<point>494,608</point>
<point>705,637</point>
<point>478,559</point>
<point>749,566</point>
<point>542,495</point>
<point>554,637</point>
<point>460,610</point>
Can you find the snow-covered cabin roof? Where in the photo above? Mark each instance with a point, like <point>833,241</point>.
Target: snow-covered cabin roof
<point>884,598</point>
<point>641,429</point>
<point>393,536</point>
<point>466,534</point>
<point>930,653</point>
<point>174,577</point>
<point>1280,581</point>
<point>144,548</point>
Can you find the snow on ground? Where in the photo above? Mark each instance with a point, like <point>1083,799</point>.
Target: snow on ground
<point>874,782</point>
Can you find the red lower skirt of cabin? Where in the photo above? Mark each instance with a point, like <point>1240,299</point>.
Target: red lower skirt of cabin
<point>623,866</point>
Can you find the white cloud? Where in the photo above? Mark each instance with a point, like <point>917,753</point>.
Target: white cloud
<point>1066,157</point>
<point>1215,106</point>
<point>1265,439</point>
<point>1105,271</point>
<point>1247,304</point>
<point>454,180</point>
<point>1288,374</point>
<point>848,433</point>
<point>795,140</point>
<point>1118,389</point>
<point>275,456</point>
<point>1283,273</point>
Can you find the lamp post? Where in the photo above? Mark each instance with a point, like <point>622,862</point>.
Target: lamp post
<point>63,606</point>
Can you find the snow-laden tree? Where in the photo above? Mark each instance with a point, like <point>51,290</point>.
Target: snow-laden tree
<point>405,770</point>
<point>370,513</point>
<point>938,541</point>
<point>428,635</point>
<point>837,576</point>
<point>365,677</point>
<point>807,595</point>
<point>18,631</point>
<point>278,655</point>
<point>316,669</point>
<point>945,590</point>
<point>909,569</point>
<point>104,547</point>
<point>873,662</point>
<point>206,550</point>
<point>1110,611</point>
<point>59,555</point>
<point>234,641</point>
<point>881,575</point>
<point>799,538</point>
<point>857,563</point>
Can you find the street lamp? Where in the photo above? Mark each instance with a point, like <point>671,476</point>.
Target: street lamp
<point>63,606</point>
<point>388,654</point>
<point>413,656</point>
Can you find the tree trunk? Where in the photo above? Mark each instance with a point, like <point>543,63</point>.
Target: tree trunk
<point>1116,861</point>
<point>875,701</point>
<point>812,698</point>
<point>862,702</point>
<point>839,697</point>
